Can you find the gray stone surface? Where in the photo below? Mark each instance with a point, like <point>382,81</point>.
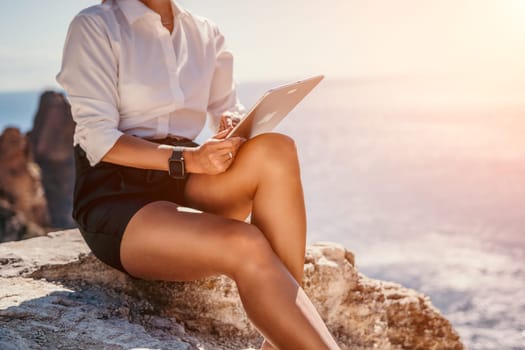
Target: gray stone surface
<point>54,294</point>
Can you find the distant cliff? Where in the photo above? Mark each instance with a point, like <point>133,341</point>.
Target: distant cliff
<point>37,172</point>
<point>55,295</point>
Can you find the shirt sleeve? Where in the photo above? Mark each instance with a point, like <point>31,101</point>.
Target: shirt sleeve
<point>89,76</point>
<point>223,93</point>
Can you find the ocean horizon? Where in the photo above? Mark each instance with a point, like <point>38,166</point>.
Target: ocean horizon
<point>423,179</point>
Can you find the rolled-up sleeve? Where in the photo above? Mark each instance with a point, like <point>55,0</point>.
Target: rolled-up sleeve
<point>223,93</point>
<point>89,76</point>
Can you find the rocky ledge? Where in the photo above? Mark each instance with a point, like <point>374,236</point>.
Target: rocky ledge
<point>55,295</point>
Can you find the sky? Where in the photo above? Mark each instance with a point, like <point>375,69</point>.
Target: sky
<point>280,40</point>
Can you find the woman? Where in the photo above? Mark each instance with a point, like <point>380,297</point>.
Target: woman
<point>140,77</point>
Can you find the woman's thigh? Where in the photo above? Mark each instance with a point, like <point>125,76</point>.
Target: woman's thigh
<point>163,241</point>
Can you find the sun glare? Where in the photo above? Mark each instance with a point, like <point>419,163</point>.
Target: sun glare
<point>519,5</point>
<point>517,15</point>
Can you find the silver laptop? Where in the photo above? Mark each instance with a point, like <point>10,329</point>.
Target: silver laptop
<point>273,106</point>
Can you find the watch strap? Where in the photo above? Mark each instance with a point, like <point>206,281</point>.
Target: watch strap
<point>176,166</point>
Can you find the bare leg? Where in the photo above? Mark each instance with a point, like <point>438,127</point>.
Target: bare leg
<point>280,191</point>
<point>161,242</point>
<point>266,181</point>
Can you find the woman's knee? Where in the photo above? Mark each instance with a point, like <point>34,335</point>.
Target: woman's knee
<point>274,150</point>
<point>275,141</point>
<point>251,252</point>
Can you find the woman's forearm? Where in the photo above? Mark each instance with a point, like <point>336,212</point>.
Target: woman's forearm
<point>139,153</point>
<point>212,157</point>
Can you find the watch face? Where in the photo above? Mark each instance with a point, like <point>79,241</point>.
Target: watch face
<point>176,165</point>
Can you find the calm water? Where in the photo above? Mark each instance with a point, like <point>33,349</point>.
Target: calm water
<point>424,180</point>
<point>18,109</point>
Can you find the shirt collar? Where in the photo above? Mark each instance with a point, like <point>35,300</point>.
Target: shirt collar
<point>135,9</point>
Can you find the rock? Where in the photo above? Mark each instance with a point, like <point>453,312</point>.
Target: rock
<point>52,147</point>
<point>23,206</point>
<point>14,225</point>
<point>53,291</point>
<point>38,172</point>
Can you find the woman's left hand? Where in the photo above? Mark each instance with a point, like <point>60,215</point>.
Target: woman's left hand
<point>228,120</point>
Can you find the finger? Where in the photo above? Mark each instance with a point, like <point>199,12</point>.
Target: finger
<point>219,155</point>
<point>235,121</point>
<point>237,141</point>
<point>225,144</point>
<point>229,145</point>
<point>229,122</point>
<point>222,134</point>
<point>223,161</point>
<point>227,157</point>
<point>228,160</point>
<point>226,121</point>
<point>222,125</point>
<point>226,152</point>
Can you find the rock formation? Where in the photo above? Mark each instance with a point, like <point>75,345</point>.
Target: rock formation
<point>51,142</point>
<point>55,294</point>
<point>23,208</point>
<point>37,172</point>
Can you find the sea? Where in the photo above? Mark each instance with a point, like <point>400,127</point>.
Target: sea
<point>422,178</point>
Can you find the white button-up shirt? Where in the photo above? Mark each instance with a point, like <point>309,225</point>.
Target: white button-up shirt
<point>124,73</point>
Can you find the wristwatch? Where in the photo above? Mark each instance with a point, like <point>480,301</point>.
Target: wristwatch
<point>176,167</point>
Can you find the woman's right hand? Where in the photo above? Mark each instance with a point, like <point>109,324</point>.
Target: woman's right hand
<point>214,156</point>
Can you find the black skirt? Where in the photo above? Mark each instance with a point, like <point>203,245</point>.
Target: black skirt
<point>107,195</point>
